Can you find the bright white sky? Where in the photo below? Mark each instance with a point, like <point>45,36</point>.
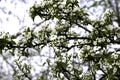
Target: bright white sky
<point>14,15</point>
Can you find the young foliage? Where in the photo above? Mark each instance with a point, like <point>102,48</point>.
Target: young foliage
<point>76,40</point>
<point>93,48</point>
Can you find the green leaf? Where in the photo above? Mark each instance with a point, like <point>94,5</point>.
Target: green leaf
<point>13,37</point>
<point>28,29</point>
<point>94,4</point>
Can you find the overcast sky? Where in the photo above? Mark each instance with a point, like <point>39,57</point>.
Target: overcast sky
<point>14,15</point>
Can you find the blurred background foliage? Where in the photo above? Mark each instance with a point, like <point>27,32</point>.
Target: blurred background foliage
<point>72,40</point>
